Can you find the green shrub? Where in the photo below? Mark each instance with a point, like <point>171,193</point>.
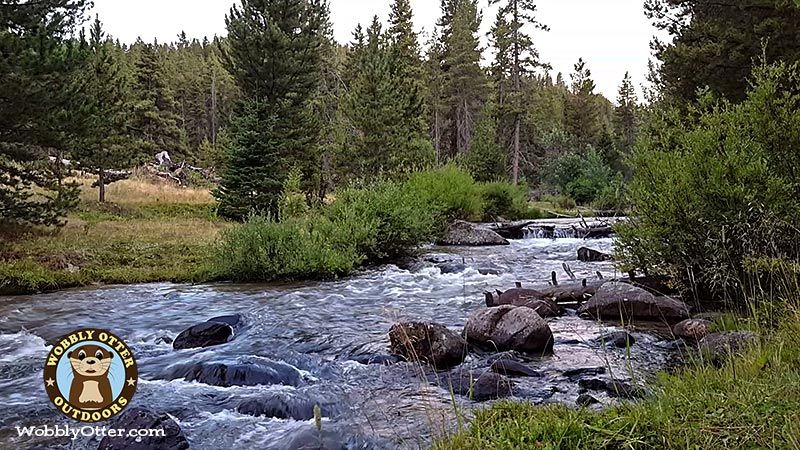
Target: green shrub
<point>562,202</point>
<point>265,250</point>
<point>612,197</point>
<point>450,192</point>
<point>504,200</point>
<point>581,176</point>
<point>718,186</point>
<point>292,203</point>
<point>386,221</point>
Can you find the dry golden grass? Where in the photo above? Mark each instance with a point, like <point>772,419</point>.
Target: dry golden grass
<point>138,190</point>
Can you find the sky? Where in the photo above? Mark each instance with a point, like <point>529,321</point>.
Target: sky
<point>613,36</point>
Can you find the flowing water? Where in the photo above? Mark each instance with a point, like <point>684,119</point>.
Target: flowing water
<point>318,328</point>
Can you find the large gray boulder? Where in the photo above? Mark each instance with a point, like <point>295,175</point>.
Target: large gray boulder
<point>718,347</point>
<point>469,234</point>
<point>428,343</point>
<point>510,327</point>
<point>615,300</point>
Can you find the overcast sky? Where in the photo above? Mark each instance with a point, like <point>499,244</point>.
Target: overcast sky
<point>612,35</point>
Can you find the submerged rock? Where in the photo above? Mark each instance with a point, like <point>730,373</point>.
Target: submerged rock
<point>296,406</point>
<point>511,368</point>
<point>583,371</point>
<point>510,328</point>
<point>429,343</point>
<point>586,400</point>
<point>617,301</point>
<point>215,331</point>
<point>619,339</point>
<point>248,374</point>
<point>718,347</point>
<point>479,387</point>
<point>379,359</point>
<point>463,233</point>
<point>591,255</point>
<point>140,418</point>
<point>692,330</point>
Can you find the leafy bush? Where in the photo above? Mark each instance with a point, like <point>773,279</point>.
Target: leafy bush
<point>562,202</point>
<point>485,159</point>
<point>265,250</point>
<point>507,201</point>
<point>292,203</point>
<point>612,197</point>
<point>718,186</point>
<point>450,191</point>
<point>582,177</point>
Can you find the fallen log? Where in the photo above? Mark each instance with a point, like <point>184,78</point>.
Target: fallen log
<point>511,230</point>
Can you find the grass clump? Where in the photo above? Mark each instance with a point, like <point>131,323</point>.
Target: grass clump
<point>753,401</point>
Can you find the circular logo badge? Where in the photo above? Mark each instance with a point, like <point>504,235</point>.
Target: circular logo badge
<point>90,375</point>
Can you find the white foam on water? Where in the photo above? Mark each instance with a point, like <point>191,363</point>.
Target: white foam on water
<point>16,346</point>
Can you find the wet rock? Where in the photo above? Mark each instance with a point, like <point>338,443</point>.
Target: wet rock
<point>575,292</point>
<point>718,347</point>
<point>584,371</point>
<point>287,406</point>
<point>429,343</point>
<point>591,255</point>
<point>478,387</point>
<point>622,390</point>
<point>528,298</point>
<point>511,368</point>
<point>619,339</point>
<point>617,301</point>
<point>215,331</point>
<point>586,400</point>
<point>592,384</point>
<point>692,330</point>
<point>510,328</point>
<point>469,234</point>
<point>139,418</point>
<point>248,374</point>
<point>380,359</point>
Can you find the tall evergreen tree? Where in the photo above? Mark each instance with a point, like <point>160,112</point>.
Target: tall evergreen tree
<point>465,80</point>
<point>104,104</point>
<point>625,118</point>
<point>156,122</point>
<point>715,43</point>
<point>583,110</point>
<point>274,52</point>
<point>517,56</point>
<point>37,68</point>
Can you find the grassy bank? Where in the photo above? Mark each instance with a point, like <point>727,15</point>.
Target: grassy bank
<point>153,231</point>
<point>147,232</point>
<point>751,402</point>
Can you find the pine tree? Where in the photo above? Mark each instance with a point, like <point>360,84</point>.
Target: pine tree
<point>582,112</point>
<point>104,104</point>
<point>37,68</point>
<point>465,86</point>
<point>274,52</point>
<point>155,122</point>
<point>625,119</point>
<point>486,161</point>
<point>517,57</point>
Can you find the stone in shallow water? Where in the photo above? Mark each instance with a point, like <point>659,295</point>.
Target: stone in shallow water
<point>615,301</point>
<point>249,374</point>
<point>428,343</point>
<point>619,339</point>
<point>512,368</point>
<point>140,418</point>
<point>586,400</point>
<point>215,331</point>
<point>476,386</point>
<point>692,330</point>
<point>510,328</point>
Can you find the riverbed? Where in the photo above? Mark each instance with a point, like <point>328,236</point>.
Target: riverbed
<point>321,328</point>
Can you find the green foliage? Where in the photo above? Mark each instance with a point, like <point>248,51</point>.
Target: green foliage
<point>293,202</point>
<point>719,186</point>
<point>276,128</point>
<point>265,250</point>
<point>451,192</point>
<point>714,44</point>
<point>507,201</point>
<point>582,177</point>
<point>485,160</point>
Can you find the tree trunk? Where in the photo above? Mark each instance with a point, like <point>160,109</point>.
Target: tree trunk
<point>517,89</point>
<point>102,182</point>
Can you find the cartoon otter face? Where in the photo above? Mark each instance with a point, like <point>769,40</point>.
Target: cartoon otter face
<point>90,361</point>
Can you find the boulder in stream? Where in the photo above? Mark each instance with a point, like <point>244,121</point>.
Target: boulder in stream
<point>429,343</point>
<point>461,233</point>
<point>528,298</point>
<point>622,301</point>
<point>511,368</point>
<point>510,327</point>
<point>215,331</point>
<point>247,374</point>
<point>478,387</point>
<point>718,347</point>
<point>692,330</point>
<point>140,418</point>
<point>618,339</point>
<point>586,254</point>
